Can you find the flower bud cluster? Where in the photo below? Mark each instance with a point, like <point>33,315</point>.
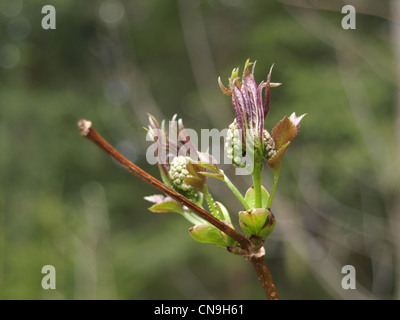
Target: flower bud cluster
<point>269,145</point>
<point>178,172</point>
<point>233,145</point>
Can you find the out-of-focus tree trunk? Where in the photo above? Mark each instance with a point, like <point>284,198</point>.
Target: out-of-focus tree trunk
<point>395,209</point>
<point>395,11</point>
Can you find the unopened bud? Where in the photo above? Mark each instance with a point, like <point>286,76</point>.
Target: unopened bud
<point>178,172</point>
<point>269,145</point>
<point>234,147</point>
<point>207,233</point>
<point>257,222</point>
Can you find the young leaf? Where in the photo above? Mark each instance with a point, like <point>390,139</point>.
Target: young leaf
<point>283,132</point>
<point>219,176</point>
<point>195,182</point>
<point>164,176</point>
<point>155,198</point>
<point>223,211</point>
<point>207,161</point>
<point>276,160</point>
<point>193,169</point>
<point>167,206</point>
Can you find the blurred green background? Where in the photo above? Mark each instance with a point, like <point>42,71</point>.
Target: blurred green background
<point>64,203</point>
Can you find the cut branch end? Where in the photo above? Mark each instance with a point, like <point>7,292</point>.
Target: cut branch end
<point>84,127</point>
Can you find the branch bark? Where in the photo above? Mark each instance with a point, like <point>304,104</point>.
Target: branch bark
<point>264,276</point>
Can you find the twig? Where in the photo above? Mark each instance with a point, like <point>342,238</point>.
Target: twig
<point>264,276</point>
<point>252,254</point>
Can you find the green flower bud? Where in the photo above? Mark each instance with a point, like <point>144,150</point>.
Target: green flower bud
<point>269,145</point>
<point>206,233</point>
<point>178,172</point>
<point>250,197</point>
<point>234,147</point>
<point>257,222</point>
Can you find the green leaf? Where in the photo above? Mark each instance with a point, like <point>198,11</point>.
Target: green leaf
<point>164,176</point>
<point>250,197</point>
<point>208,162</point>
<point>223,211</point>
<point>209,166</point>
<point>167,206</point>
<point>219,176</point>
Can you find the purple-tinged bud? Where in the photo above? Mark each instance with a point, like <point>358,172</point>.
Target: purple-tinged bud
<point>250,113</point>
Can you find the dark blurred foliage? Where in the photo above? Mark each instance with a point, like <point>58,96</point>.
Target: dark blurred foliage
<point>65,203</point>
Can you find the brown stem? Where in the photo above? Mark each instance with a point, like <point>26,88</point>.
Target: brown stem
<point>264,276</point>
<point>255,257</point>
